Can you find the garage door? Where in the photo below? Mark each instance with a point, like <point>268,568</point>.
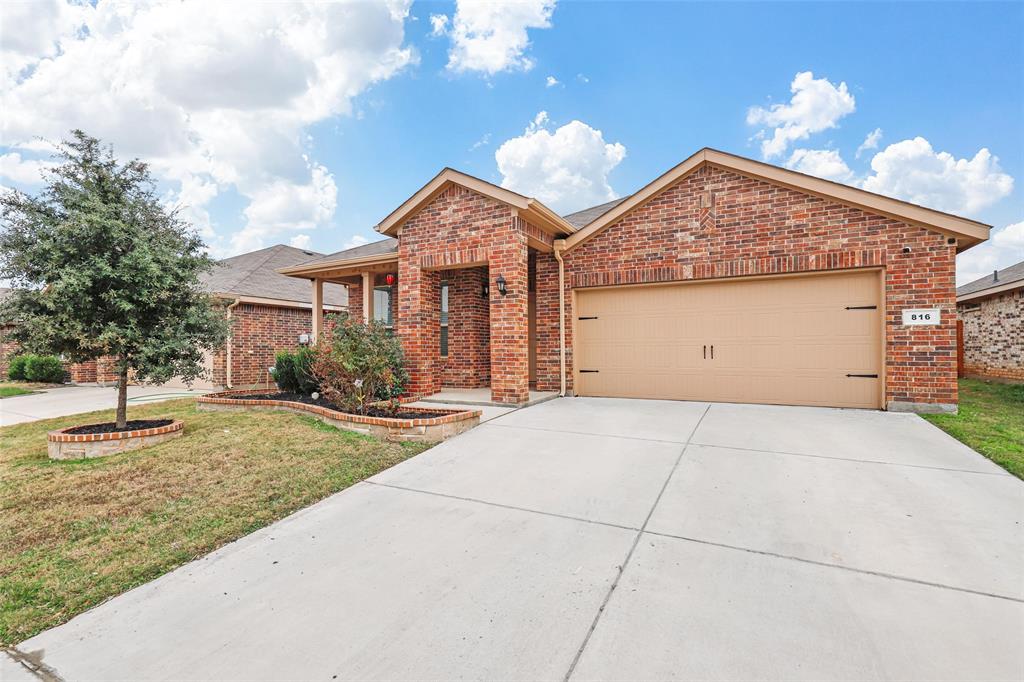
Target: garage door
<point>809,340</point>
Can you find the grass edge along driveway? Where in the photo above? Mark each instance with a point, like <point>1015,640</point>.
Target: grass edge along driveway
<point>76,533</point>
<point>990,420</point>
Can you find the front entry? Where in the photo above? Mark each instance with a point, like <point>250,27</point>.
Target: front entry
<point>787,340</point>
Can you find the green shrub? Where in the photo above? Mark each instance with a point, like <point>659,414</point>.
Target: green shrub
<point>44,369</point>
<point>357,364</point>
<point>303,365</point>
<point>16,368</point>
<point>292,372</point>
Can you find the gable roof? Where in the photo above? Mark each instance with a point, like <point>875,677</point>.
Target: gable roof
<point>255,275</point>
<point>377,248</point>
<point>967,232</point>
<point>530,209</point>
<point>588,215</point>
<point>1006,279</point>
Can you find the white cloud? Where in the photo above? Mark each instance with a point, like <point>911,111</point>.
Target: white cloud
<point>22,170</point>
<point>491,37</point>
<point>300,241</point>
<point>822,163</point>
<point>911,170</point>
<point>213,98</point>
<point>482,142</point>
<point>566,169</point>
<point>816,105</point>
<point>551,82</point>
<point>870,142</point>
<point>438,24</point>
<point>1004,248</point>
<point>582,79</point>
<point>356,240</point>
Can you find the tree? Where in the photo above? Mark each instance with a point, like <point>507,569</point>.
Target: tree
<point>101,268</point>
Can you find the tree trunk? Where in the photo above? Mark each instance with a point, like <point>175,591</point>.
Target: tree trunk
<point>122,396</point>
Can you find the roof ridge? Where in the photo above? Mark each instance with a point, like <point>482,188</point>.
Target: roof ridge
<point>271,250</point>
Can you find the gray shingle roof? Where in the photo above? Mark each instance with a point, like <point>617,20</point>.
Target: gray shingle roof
<point>255,274</point>
<point>389,245</point>
<point>1014,273</point>
<point>588,215</point>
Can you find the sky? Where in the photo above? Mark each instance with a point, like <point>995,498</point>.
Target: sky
<point>306,123</point>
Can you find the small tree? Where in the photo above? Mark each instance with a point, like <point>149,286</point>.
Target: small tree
<point>101,268</point>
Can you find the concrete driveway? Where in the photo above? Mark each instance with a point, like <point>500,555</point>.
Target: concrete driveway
<point>59,402</point>
<point>592,539</point>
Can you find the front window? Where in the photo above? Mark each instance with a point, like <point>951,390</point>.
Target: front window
<point>444,319</point>
<point>382,305</point>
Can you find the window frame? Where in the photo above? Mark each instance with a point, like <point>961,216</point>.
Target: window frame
<point>388,320</point>
<point>445,310</point>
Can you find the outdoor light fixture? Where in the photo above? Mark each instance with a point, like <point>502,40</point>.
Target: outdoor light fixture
<point>485,290</point>
<point>501,285</point>
<point>390,279</point>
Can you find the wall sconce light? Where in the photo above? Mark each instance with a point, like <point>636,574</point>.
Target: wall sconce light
<point>485,290</point>
<point>501,285</point>
<point>389,279</point>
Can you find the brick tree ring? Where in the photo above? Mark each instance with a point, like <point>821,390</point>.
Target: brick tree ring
<point>64,445</point>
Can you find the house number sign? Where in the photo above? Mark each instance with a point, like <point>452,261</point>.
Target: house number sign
<point>918,316</point>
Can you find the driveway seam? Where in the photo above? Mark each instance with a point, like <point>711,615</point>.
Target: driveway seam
<point>879,574</point>
<point>598,435</point>
<point>632,549</point>
<point>863,461</point>
<point>503,506</point>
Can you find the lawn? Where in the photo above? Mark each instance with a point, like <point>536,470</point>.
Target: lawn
<point>73,534</point>
<point>9,389</point>
<point>991,420</point>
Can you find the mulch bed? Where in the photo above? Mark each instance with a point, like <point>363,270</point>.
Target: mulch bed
<point>111,427</point>
<point>320,402</point>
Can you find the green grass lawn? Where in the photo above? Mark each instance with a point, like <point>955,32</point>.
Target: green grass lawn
<point>9,389</point>
<point>73,534</point>
<point>991,420</point>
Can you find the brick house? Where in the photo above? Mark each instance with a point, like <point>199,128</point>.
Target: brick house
<point>991,313</point>
<point>268,311</point>
<point>724,279</point>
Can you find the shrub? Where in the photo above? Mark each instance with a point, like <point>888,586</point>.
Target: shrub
<point>357,364</point>
<point>304,378</point>
<point>16,368</point>
<point>292,372</point>
<point>44,369</point>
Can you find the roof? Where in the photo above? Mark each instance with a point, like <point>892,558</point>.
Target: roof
<point>1001,280</point>
<point>588,215</point>
<point>378,248</point>
<point>967,232</point>
<point>255,275</point>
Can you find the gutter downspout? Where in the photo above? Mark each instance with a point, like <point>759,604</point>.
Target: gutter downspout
<point>559,245</point>
<point>227,370</point>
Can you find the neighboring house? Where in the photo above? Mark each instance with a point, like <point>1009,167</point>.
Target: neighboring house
<point>725,279</point>
<point>991,310</point>
<point>268,313</point>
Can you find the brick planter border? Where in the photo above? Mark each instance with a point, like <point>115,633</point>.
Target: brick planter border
<point>426,429</point>
<point>63,445</point>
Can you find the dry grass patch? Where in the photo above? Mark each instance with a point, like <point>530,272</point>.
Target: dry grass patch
<point>75,533</point>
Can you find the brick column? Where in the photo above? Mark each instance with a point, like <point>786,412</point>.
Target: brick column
<point>418,325</point>
<point>510,350</point>
<point>355,301</point>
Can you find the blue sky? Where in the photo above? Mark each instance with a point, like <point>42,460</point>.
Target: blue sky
<point>317,129</point>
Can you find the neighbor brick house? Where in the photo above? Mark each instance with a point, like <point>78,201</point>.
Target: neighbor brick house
<point>724,279</point>
<point>991,312</point>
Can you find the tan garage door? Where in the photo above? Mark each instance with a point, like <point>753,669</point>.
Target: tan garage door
<point>808,340</point>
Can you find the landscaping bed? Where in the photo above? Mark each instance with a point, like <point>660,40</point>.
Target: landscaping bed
<point>372,411</point>
<point>76,533</point>
<point>105,439</point>
<point>415,424</point>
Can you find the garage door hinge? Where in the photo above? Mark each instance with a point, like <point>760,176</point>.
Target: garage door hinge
<point>864,376</point>
<point>587,318</point>
<point>589,371</point>
<point>862,307</point>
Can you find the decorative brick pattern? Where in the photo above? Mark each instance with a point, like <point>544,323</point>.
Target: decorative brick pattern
<point>994,336</point>
<point>759,229</point>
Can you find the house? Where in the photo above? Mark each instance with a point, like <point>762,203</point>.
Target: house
<point>991,312</point>
<point>269,312</point>
<point>725,279</point>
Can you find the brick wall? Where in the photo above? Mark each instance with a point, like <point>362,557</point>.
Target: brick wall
<point>355,297</point>
<point>258,333</point>
<point>750,227</point>
<point>994,336</point>
<point>468,364</point>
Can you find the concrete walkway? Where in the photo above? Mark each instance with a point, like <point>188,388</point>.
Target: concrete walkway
<point>591,539</point>
<point>58,402</point>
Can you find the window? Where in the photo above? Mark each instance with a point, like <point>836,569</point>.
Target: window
<point>444,319</point>
<point>382,305</point>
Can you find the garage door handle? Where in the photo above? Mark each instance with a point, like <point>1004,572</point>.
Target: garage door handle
<point>863,376</point>
<point>589,371</point>
<point>594,317</point>
<point>862,307</point>
<point>712,351</point>
<point>705,351</point>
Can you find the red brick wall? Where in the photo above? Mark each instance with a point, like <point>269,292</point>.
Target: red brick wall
<point>355,297</point>
<point>258,332</point>
<point>994,336</point>
<point>756,228</point>
<point>468,364</point>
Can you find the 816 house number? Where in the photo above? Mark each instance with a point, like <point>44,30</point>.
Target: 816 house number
<point>919,316</point>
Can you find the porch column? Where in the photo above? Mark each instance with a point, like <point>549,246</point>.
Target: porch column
<point>509,314</point>
<point>418,326</point>
<point>367,297</point>
<point>318,309</point>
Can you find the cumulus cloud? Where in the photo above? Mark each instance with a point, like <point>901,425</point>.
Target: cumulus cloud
<point>566,168</point>
<point>438,24</point>
<point>911,170</point>
<point>213,98</point>
<point>491,37</point>
<point>356,240</point>
<point>551,82</point>
<point>870,142</point>
<point>816,105</point>
<point>24,171</point>
<point>1004,248</point>
<point>300,241</point>
<point>822,163</point>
